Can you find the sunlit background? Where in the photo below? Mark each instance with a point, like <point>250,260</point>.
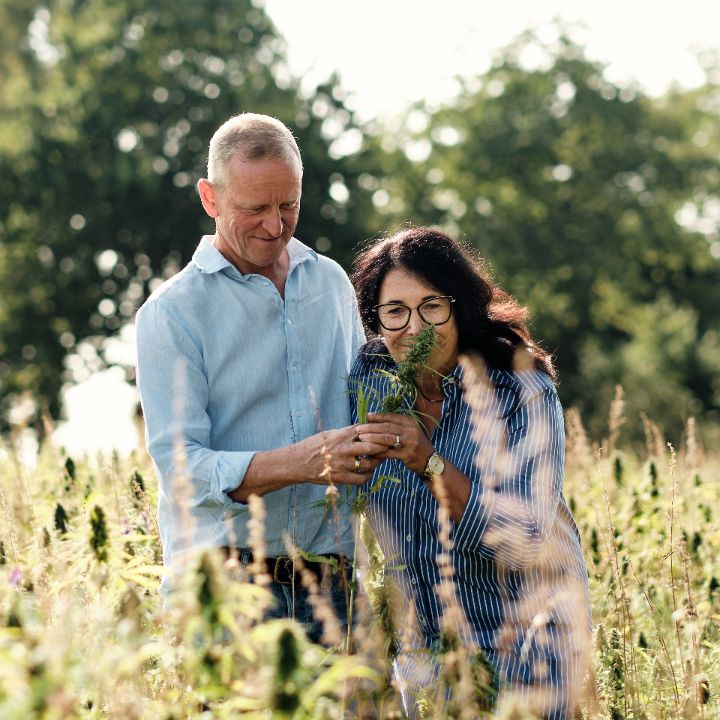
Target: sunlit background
<point>389,54</point>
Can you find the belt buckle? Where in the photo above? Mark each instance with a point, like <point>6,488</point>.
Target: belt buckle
<point>283,570</point>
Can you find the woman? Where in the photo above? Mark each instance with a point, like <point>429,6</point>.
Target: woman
<point>480,435</point>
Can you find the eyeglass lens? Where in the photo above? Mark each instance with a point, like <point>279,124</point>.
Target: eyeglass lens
<point>434,311</point>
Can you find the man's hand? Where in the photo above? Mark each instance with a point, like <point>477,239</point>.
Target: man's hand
<point>337,457</point>
<point>331,457</point>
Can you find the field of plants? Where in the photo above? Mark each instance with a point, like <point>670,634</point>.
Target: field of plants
<point>84,633</point>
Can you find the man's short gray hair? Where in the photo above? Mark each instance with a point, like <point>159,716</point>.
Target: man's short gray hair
<point>253,137</point>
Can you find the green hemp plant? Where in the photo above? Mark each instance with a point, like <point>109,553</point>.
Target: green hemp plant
<point>402,393</point>
<point>402,389</point>
<point>400,399</point>
<point>402,381</point>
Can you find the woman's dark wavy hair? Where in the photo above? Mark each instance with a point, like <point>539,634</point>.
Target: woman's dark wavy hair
<point>489,320</point>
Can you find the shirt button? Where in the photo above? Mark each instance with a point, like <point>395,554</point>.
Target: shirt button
<point>412,493</point>
<point>408,538</point>
<point>413,581</point>
<point>289,322</point>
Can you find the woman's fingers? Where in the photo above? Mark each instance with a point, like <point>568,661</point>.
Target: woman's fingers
<point>390,419</point>
<point>389,440</point>
<point>368,444</point>
<point>395,437</point>
<point>388,425</point>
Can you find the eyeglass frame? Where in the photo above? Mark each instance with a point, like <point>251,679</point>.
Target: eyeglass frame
<point>416,308</point>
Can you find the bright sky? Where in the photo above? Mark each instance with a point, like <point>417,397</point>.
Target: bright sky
<point>390,53</point>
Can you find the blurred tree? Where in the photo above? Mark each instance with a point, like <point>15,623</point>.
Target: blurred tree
<point>598,207</point>
<point>106,109</point>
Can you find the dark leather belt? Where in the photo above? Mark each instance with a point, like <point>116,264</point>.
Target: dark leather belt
<point>280,569</point>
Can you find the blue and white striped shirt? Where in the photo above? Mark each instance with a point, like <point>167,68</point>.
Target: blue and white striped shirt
<point>517,566</point>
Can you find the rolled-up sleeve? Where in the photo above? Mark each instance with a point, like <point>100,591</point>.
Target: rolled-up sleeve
<point>516,490</point>
<point>173,388</point>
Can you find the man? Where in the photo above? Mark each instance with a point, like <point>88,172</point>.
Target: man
<point>243,359</point>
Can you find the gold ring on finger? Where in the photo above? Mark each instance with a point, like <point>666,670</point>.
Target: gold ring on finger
<point>357,465</point>
<point>397,444</point>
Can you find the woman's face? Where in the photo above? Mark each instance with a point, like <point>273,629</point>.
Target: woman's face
<point>400,286</point>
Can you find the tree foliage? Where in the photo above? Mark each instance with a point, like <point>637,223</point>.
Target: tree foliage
<point>597,206</point>
<point>106,109</point>
<point>581,194</point>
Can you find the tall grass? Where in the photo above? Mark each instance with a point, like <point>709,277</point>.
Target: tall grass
<point>84,633</point>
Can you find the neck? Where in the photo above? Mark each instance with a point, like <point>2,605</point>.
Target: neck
<point>430,389</point>
<point>276,272</point>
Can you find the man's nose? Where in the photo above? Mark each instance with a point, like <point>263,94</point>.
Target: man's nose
<point>272,222</point>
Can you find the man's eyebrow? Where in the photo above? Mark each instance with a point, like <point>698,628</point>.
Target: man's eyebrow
<point>240,206</point>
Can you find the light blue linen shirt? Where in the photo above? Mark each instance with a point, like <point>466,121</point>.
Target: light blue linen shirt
<point>226,368</point>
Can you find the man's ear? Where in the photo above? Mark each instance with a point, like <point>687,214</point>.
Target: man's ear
<point>208,197</point>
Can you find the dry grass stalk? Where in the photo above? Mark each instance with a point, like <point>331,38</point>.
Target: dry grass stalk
<point>579,454</point>
<point>693,458</point>
<point>147,505</point>
<point>322,608</point>
<point>558,597</point>
<point>654,439</point>
<point>256,541</point>
<point>616,418</point>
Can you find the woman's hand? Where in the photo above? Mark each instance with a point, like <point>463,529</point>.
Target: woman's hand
<point>401,435</point>
<point>414,450</point>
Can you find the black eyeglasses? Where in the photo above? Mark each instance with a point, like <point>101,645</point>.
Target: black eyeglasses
<point>433,311</point>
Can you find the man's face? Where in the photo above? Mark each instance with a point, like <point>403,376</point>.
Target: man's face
<point>255,212</point>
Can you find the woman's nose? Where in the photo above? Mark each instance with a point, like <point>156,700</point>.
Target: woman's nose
<point>416,324</point>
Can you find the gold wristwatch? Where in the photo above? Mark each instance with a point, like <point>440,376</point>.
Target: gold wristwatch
<point>435,466</point>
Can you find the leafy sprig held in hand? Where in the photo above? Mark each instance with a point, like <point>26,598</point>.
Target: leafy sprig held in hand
<point>403,379</point>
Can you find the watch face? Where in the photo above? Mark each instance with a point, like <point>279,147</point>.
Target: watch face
<point>435,465</point>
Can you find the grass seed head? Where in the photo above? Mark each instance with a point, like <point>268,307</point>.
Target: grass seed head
<point>286,693</point>
<point>99,540</point>
<point>61,518</point>
<point>210,589</point>
<point>137,486</point>
<point>70,469</point>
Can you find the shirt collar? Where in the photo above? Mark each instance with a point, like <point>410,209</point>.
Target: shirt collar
<point>455,377</point>
<point>209,259</point>
<point>299,252</point>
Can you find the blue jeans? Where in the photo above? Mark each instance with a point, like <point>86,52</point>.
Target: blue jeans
<point>293,601</point>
